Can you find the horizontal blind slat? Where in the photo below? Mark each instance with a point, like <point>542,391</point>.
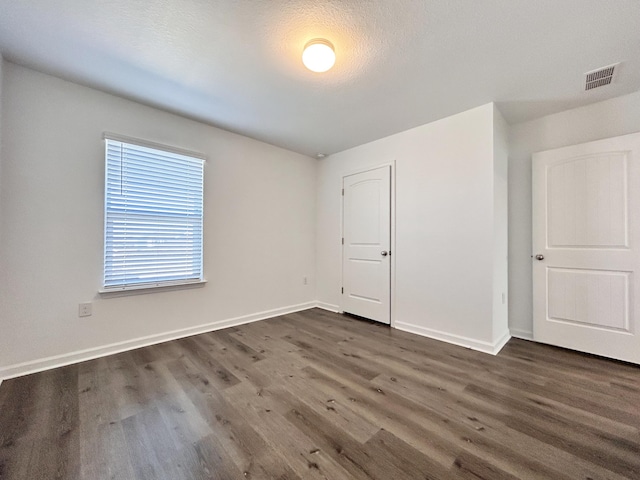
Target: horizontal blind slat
<point>153,216</point>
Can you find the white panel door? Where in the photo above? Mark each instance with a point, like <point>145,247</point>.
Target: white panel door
<point>586,228</point>
<point>366,269</point>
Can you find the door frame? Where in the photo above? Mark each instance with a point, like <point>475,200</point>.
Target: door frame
<point>392,220</point>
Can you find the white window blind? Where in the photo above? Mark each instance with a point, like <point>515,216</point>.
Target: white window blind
<point>153,217</point>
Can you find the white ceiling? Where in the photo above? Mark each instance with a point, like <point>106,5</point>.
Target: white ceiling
<point>400,63</point>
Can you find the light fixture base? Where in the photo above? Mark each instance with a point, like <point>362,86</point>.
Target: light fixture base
<point>319,55</point>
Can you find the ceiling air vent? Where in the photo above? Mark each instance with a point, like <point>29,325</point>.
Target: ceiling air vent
<point>600,77</point>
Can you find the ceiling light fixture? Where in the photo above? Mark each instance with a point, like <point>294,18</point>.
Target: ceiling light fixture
<point>318,55</point>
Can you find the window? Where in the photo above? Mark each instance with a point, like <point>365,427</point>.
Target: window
<point>153,217</point>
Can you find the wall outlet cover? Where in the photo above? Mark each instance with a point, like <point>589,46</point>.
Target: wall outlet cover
<point>84,310</point>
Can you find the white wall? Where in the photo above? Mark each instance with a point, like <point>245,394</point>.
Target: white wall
<point>444,225</point>
<point>1,96</point>
<point>500,226</point>
<point>259,222</point>
<point>260,228</point>
<point>618,116</point>
<point>1,265</point>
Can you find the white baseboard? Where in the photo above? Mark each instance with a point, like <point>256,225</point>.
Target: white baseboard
<point>501,342</point>
<point>328,306</point>
<point>524,334</point>
<point>34,366</point>
<point>479,345</point>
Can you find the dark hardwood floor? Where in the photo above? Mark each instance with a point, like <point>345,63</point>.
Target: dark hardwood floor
<point>322,396</point>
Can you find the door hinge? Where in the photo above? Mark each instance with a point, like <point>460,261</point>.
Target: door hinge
<point>342,290</point>
<point>343,240</point>
<point>343,192</point>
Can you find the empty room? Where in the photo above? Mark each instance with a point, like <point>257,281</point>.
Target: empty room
<point>339,239</point>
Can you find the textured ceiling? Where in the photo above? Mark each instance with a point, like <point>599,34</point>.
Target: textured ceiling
<point>400,63</point>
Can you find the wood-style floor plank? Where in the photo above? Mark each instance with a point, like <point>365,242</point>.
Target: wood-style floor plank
<point>316,395</point>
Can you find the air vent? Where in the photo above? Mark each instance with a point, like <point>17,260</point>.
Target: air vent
<point>600,77</point>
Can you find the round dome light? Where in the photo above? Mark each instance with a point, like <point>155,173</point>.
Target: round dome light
<point>318,55</point>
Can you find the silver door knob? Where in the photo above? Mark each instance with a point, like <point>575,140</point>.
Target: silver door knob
<point>384,253</point>
<point>539,257</point>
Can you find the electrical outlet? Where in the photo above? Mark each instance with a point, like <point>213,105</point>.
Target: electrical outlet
<point>84,310</point>
<point>305,280</point>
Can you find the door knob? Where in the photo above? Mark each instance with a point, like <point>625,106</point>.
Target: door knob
<point>539,257</point>
<point>384,253</point>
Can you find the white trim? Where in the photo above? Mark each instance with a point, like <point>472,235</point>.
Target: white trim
<point>501,342</point>
<point>392,283</point>
<point>479,345</point>
<point>368,169</point>
<point>55,361</point>
<point>392,233</point>
<point>519,333</point>
<point>34,366</point>
<point>328,306</point>
<point>109,292</point>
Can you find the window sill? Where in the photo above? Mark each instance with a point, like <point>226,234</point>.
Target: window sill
<point>149,288</point>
